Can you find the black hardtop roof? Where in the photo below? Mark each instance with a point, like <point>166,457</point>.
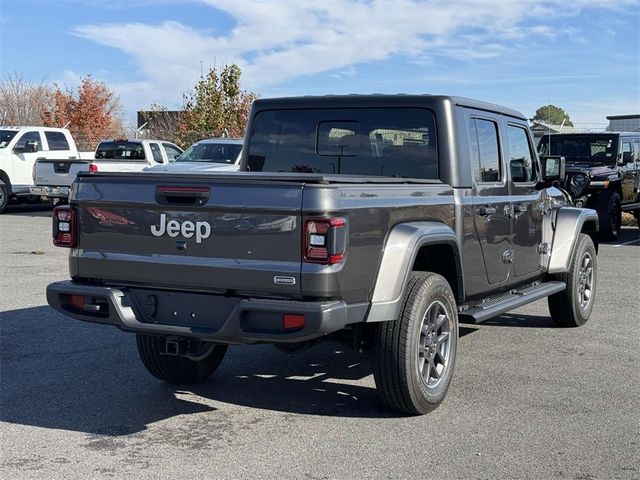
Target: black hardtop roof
<point>581,134</point>
<point>380,100</point>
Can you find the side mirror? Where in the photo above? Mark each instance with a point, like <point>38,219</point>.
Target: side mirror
<point>552,168</point>
<point>31,146</point>
<point>627,157</point>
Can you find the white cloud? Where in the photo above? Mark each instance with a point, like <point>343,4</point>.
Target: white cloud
<point>277,41</point>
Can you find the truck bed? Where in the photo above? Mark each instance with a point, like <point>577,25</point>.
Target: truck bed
<point>251,230</point>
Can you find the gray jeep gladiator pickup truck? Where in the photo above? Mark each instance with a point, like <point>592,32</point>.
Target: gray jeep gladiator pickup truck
<point>383,217</point>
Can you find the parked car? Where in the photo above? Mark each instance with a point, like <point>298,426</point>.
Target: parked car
<point>603,173</point>
<point>53,178</point>
<point>383,218</point>
<point>19,149</point>
<point>213,154</point>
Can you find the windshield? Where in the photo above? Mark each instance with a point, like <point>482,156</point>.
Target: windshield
<point>211,152</point>
<point>6,136</point>
<point>596,148</point>
<point>389,142</point>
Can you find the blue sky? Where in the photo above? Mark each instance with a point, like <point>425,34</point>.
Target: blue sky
<point>583,55</point>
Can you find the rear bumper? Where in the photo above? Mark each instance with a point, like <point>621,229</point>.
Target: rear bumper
<point>54,192</point>
<point>215,318</point>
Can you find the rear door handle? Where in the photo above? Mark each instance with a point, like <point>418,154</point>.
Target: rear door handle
<point>486,210</point>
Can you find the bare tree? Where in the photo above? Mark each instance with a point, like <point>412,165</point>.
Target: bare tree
<point>160,123</point>
<point>23,102</point>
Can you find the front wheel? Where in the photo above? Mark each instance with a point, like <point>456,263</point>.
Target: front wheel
<point>572,307</point>
<point>4,196</point>
<point>609,214</point>
<point>178,369</point>
<point>415,355</point>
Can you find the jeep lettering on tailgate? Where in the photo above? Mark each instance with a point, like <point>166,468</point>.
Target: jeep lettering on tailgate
<point>187,229</point>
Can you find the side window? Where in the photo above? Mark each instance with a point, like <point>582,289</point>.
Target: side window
<point>28,137</point>
<point>57,141</point>
<point>172,151</point>
<point>105,150</point>
<point>521,160</point>
<point>485,151</point>
<point>627,152</point>
<point>155,150</point>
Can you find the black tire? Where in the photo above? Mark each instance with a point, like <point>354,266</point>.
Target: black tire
<point>401,347</point>
<point>4,196</point>
<point>568,308</point>
<point>609,214</point>
<point>174,369</point>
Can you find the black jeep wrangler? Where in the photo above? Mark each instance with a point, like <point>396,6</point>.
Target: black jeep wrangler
<point>602,172</point>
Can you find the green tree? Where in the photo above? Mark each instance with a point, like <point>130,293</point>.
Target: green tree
<point>551,114</point>
<point>216,107</point>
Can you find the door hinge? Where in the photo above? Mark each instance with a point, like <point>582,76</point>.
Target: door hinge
<point>507,256</point>
<point>543,248</point>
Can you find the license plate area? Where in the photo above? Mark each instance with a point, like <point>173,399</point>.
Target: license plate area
<point>181,309</point>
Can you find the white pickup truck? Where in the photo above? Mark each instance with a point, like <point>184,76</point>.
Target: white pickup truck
<point>20,147</point>
<point>53,178</point>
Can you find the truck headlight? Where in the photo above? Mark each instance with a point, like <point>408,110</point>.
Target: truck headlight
<point>578,183</point>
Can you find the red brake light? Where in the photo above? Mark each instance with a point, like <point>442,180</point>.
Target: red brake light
<point>93,168</point>
<point>325,240</point>
<point>64,226</point>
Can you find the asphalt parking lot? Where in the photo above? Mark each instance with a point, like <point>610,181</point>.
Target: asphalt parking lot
<point>528,400</point>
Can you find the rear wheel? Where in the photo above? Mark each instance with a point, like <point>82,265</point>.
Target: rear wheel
<point>415,354</point>
<point>4,196</point>
<point>609,214</point>
<point>572,307</point>
<point>177,369</point>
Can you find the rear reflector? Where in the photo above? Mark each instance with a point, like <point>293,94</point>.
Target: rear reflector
<point>291,321</point>
<point>93,168</point>
<point>77,301</point>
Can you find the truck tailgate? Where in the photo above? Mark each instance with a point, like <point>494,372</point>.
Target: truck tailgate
<point>58,172</point>
<point>205,234</point>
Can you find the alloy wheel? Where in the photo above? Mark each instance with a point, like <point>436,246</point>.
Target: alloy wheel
<point>434,347</point>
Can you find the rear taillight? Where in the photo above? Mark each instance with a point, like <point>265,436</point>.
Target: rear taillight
<point>93,168</point>
<point>64,226</point>
<point>325,240</point>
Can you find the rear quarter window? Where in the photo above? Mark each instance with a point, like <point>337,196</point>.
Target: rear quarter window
<point>57,141</point>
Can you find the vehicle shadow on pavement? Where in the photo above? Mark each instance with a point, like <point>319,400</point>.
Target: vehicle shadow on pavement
<point>627,234</point>
<point>28,210</point>
<point>62,374</point>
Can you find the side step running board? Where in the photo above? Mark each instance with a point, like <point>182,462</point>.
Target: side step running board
<point>494,306</point>
<point>632,206</point>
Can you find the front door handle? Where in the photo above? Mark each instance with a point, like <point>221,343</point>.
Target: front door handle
<point>521,208</point>
<point>486,210</point>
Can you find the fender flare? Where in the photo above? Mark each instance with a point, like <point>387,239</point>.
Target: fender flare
<point>569,222</point>
<point>400,251</point>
